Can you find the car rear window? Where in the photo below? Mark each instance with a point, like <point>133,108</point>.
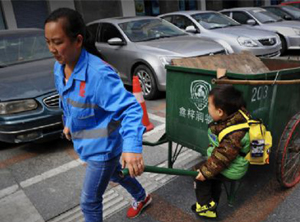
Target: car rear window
<point>292,10</point>
<point>19,48</point>
<point>149,29</point>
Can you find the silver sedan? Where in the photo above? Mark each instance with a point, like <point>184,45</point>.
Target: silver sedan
<point>288,31</point>
<point>285,12</point>
<point>142,46</point>
<point>230,34</point>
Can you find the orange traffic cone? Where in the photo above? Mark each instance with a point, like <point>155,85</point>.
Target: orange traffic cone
<point>137,92</point>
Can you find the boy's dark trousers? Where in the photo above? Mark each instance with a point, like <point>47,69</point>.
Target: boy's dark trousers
<point>209,190</point>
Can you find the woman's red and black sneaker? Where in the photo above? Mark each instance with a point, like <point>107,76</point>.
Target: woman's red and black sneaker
<point>137,207</point>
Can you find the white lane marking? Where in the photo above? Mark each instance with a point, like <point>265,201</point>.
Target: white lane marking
<point>51,173</point>
<point>59,170</point>
<point>157,118</point>
<point>118,207</point>
<point>121,198</point>
<point>9,190</point>
<point>68,166</point>
<point>155,130</point>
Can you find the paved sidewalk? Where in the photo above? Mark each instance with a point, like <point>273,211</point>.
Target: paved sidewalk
<point>290,57</point>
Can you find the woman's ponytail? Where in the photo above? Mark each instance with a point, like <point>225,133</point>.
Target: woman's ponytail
<point>89,43</point>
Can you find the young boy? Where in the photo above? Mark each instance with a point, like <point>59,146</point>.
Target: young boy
<point>225,158</point>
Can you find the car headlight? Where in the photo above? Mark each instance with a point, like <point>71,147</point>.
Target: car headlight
<point>166,60</point>
<point>247,42</point>
<point>17,106</point>
<point>297,31</point>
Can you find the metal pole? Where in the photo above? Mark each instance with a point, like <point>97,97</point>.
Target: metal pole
<point>170,153</point>
<point>162,170</point>
<point>255,82</point>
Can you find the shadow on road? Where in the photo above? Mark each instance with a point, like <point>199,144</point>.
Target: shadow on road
<point>38,148</point>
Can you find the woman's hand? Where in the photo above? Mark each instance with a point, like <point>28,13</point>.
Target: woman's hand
<point>200,176</point>
<point>134,162</point>
<point>67,133</point>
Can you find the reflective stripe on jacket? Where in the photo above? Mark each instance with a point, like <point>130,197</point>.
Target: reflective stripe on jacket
<point>103,117</point>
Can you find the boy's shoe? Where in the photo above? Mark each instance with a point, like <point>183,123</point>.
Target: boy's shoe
<point>208,214</point>
<point>137,207</point>
<point>207,210</point>
<point>211,206</point>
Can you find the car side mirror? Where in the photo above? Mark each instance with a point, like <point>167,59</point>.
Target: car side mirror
<point>115,41</point>
<point>191,29</point>
<point>287,17</point>
<point>251,22</point>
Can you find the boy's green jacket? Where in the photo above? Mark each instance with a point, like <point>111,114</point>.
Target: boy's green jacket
<point>226,156</point>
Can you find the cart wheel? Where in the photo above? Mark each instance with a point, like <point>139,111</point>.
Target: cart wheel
<point>288,154</point>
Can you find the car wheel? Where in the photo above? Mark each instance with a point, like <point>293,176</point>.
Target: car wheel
<point>147,81</point>
<point>283,45</point>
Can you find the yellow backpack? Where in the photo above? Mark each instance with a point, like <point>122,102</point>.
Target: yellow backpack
<point>260,139</point>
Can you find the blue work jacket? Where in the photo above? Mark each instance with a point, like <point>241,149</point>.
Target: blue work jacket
<point>103,117</point>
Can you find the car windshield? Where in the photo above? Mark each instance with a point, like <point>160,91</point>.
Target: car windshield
<point>19,48</point>
<point>292,10</point>
<point>265,16</point>
<point>150,29</point>
<point>214,20</point>
<point>278,11</point>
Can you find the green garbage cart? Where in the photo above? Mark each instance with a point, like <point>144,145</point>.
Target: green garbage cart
<point>273,97</point>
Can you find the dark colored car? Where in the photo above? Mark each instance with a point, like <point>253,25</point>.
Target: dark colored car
<point>29,103</point>
<point>286,12</point>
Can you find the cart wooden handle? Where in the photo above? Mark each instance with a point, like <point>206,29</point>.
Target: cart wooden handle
<point>255,82</point>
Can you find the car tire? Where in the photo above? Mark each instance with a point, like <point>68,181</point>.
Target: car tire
<point>283,45</point>
<point>147,81</point>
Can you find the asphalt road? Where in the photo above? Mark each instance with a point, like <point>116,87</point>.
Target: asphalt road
<point>49,177</point>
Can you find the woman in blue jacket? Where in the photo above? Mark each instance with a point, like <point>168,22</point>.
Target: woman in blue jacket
<point>100,116</point>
